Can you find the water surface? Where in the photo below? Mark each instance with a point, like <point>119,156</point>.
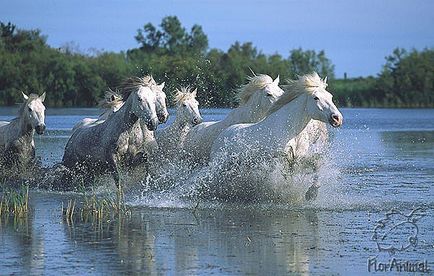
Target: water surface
<point>380,159</point>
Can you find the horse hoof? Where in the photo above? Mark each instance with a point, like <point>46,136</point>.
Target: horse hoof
<point>311,193</point>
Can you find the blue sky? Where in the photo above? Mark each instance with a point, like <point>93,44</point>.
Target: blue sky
<point>356,35</point>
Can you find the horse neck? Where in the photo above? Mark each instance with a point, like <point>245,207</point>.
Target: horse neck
<point>180,121</point>
<point>147,134</point>
<point>246,113</point>
<point>24,126</point>
<point>287,122</point>
<point>180,125</point>
<point>106,114</point>
<point>124,117</point>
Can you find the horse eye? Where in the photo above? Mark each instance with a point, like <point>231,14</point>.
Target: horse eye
<point>184,104</point>
<point>316,98</point>
<point>139,99</point>
<point>30,110</point>
<point>269,94</point>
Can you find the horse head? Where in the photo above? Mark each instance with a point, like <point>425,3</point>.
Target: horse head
<point>161,106</point>
<point>33,110</point>
<point>319,103</point>
<point>188,106</point>
<point>261,92</point>
<point>143,105</point>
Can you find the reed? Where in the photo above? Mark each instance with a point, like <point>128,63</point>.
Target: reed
<point>14,202</point>
<point>96,209</point>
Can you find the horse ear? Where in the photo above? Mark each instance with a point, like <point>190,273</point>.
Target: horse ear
<point>25,96</point>
<point>42,97</point>
<point>162,85</point>
<point>194,93</point>
<point>325,79</point>
<point>112,98</point>
<point>277,80</point>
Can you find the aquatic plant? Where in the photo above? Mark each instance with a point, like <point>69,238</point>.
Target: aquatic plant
<point>14,202</point>
<point>93,208</point>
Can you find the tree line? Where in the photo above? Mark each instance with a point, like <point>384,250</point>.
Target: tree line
<point>181,57</point>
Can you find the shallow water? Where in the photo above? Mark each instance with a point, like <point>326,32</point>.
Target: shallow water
<point>380,159</point>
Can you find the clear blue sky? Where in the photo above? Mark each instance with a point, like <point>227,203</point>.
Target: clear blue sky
<point>356,35</point>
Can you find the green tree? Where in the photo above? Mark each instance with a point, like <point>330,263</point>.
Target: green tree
<point>303,62</point>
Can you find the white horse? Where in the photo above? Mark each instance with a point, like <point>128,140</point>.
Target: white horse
<point>256,98</point>
<point>171,138</point>
<point>304,99</point>
<point>141,140</point>
<point>111,103</point>
<point>17,146</point>
<point>105,147</point>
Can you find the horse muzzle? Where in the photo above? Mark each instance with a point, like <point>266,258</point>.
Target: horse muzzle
<point>336,120</point>
<point>163,117</point>
<point>197,121</point>
<point>152,124</point>
<point>40,129</point>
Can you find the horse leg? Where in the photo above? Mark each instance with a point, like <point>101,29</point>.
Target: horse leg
<point>312,192</point>
<point>113,168</point>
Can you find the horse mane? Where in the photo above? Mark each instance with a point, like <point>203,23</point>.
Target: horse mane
<point>306,84</point>
<point>111,99</point>
<point>255,82</point>
<point>183,94</point>
<point>23,105</point>
<point>132,84</point>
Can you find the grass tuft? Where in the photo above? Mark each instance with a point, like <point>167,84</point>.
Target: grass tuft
<point>14,202</point>
<point>95,209</point>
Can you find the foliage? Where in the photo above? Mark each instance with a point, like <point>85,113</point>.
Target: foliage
<point>181,57</point>
<point>407,80</point>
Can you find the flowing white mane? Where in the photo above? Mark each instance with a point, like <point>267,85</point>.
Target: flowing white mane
<point>306,84</point>
<point>256,82</point>
<point>184,94</point>
<point>134,83</point>
<point>111,99</point>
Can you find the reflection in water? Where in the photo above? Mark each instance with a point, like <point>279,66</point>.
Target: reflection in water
<point>414,143</point>
<point>21,246</point>
<point>154,241</point>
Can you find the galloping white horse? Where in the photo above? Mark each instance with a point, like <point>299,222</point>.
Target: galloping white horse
<point>111,103</point>
<point>103,147</point>
<point>171,138</point>
<point>141,140</point>
<point>255,100</point>
<point>17,146</point>
<point>304,99</point>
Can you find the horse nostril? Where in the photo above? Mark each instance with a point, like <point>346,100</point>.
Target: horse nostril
<point>40,129</point>
<point>335,117</point>
<point>335,120</point>
<point>163,118</point>
<point>197,121</point>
